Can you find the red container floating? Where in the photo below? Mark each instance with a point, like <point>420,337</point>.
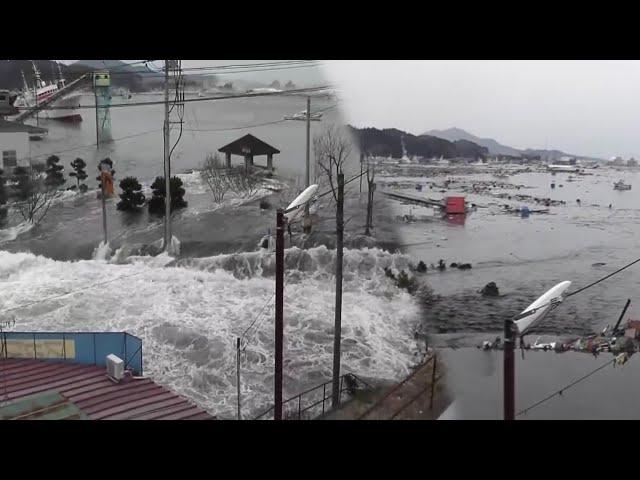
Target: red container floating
<point>455,205</point>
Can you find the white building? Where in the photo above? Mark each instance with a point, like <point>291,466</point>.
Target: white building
<point>14,144</point>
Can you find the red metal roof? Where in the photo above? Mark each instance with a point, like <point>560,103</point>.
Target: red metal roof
<point>89,388</point>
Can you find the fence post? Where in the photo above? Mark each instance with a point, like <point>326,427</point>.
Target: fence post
<point>433,380</point>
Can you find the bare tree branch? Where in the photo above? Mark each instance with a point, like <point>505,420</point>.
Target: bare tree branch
<point>35,196</point>
<point>332,149</point>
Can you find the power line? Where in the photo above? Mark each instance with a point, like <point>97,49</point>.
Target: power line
<point>560,391</point>
<point>83,147</point>
<point>224,69</point>
<point>253,65</point>
<point>604,278</point>
<point>71,292</point>
<point>234,128</point>
<point>255,125</point>
<point>190,100</point>
<point>269,300</point>
<point>532,311</point>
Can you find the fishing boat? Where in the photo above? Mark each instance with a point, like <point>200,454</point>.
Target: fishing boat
<point>41,92</point>
<point>620,185</point>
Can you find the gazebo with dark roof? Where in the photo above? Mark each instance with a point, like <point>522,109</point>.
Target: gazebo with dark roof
<point>248,147</point>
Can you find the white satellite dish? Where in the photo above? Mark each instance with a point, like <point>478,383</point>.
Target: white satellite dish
<point>293,208</point>
<point>541,306</point>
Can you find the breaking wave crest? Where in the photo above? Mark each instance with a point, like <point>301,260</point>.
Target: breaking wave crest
<point>190,314</point>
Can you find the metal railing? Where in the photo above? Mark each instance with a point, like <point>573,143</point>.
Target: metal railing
<point>431,386</point>
<point>292,408</point>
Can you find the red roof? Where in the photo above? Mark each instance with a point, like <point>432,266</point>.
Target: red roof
<point>635,324</point>
<point>88,388</point>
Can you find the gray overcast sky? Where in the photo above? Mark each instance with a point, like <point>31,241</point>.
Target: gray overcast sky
<point>309,75</point>
<point>581,107</point>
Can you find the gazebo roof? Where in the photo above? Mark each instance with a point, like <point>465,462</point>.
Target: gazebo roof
<point>249,145</point>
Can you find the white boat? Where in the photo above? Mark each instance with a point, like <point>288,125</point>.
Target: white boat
<point>317,116</point>
<point>32,97</point>
<point>621,186</point>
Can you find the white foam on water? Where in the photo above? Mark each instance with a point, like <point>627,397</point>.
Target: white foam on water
<point>174,246</point>
<point>102,252</point>
<point>11,233</point>
<point>189,316</point>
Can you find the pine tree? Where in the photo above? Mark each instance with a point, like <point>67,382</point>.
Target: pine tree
<point>157,205</point>
<point>78,166</point>
<point>54,177</point>
<point>131,196</point>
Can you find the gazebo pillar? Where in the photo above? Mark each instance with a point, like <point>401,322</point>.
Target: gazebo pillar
<point>270,162</point>
<point>247,161</point>
<point>228,155</point>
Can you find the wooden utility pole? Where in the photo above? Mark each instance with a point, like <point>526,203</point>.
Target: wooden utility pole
<point>335,394</point>
<point>433,380</point>
<point>104,208</point>
<point>361,171</point>
<point>167,166</point>
<point>279,321</point>
<point>238,374</point>
<point>509,371</point>
<point>307,176</point>
<point>95,95</point>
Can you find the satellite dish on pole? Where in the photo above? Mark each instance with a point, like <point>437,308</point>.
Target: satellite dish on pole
<point>294,207</point>
<point>541,307</point>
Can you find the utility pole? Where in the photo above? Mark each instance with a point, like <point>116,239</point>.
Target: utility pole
<point>279,321</point>
<point>509,371</point>
<point>104,208</point>
<point>335,393</point>
<point>308,119</point>
<point>361,171</point>
<point>95,96</point>
<point>307,170</point>
<point>238,373</point>
<point>105,169</point>
<point>167,166</point>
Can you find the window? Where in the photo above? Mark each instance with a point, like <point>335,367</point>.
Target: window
<point>9,158</point>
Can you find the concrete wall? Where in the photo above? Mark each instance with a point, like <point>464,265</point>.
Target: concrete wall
<point>18,141</point>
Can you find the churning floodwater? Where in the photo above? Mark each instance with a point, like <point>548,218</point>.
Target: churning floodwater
<point>73,226</point>
<point>580,242</point>
<point>189,310</point>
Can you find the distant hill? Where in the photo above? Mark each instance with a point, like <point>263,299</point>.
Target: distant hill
<point>11,78</point>
<point>388,143</point>
<point>495,148</point>
<point>453,134</point>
